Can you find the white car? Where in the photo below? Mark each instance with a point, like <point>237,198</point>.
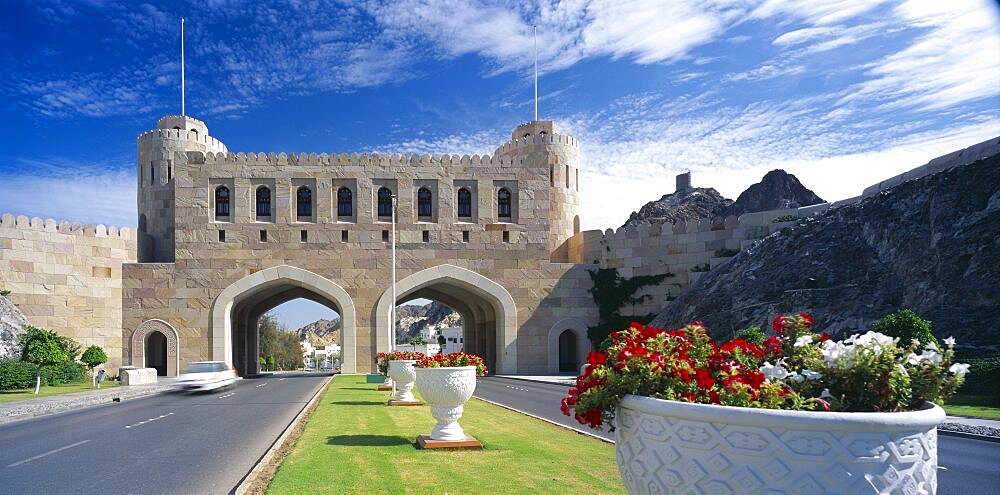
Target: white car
<point>207,375</point>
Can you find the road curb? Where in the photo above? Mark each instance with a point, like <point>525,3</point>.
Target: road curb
<point>962,434</point>
<point>257,480</point>
<point>29,409</point>
<point>549,421</point>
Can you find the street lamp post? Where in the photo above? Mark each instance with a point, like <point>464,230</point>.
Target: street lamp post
<point>392,318</point>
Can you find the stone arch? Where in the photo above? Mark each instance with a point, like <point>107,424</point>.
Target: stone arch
<point>583,347</point>
<point>138,344</point>
<point>278,277</point>
<point>445,280</point>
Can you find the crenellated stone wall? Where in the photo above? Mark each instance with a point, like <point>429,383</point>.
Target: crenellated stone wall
<point>67,277</point>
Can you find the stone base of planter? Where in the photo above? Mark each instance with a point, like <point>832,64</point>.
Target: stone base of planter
<point>470,443</point>
<point>383,388</point>
<point>394,402</point>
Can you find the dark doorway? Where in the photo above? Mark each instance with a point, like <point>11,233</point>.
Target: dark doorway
<point>156,353</point>
<point>567,351</point>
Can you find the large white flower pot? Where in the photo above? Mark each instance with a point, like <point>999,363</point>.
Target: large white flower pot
<point>401,371</point>
<point>447,390</point>
<point>677,447</point>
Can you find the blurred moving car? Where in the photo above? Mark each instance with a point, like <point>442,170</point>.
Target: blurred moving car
<point>207,375</point>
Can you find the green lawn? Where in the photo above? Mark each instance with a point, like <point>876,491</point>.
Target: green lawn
<point>354,443</point>
<point>13,395</point>
<point>978,406</point>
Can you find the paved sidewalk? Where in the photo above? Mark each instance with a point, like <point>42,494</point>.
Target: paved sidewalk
<point>952,424</point>
<point>42,406</point>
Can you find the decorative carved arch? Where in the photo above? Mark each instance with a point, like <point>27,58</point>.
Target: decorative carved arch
<point>583,347</point>
<point>475,284</point>
<point>222,318</point>
<point>139,344</point>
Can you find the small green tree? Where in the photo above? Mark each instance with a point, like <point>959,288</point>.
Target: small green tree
<point>263,363</point>
<point>753,335</point>
<point>94,356</point>
<point>907,326</point>
<point>418,340</point>
<point>41,347</point>
<point>270,362</point>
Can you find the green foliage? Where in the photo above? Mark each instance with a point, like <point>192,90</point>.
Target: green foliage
<point>282,349</point>
<point>63,373</point>
<point>983,377</point>
<point>94,356</point>
<point>704,267</point>
<point>41,347</point>
<point>612,292</point>
<point>753,335</point>
<point>16,374</point>
<point>785,218</point>
<point>5,292</point>
<point>417,341</point>
<point>726,253</point>
<point>906,326</point>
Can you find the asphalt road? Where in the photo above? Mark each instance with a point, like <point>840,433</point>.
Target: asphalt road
<point>172,443</point>
<point>965,466</point>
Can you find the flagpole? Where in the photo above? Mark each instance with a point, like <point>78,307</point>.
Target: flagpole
<point>534,34</point>
<point>182,68</point>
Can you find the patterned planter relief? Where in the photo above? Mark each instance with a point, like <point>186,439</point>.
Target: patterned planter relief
<point>447,390</point>
<point>676,447</point>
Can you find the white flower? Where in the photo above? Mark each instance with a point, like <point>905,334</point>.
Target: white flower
<point>959,369</point>
<point>930,356</point>
<point>835,352</point>
<point>912,359</point>
<point>773,371</point>
<point>811,375</point>
<point>803,340</point>
<point>931,346</point>
<point>825,394</point>
<point>950,342</point>
<point>795,377</point>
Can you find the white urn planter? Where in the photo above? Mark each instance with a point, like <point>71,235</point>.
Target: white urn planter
<point>447,390</point>
<point>402,372</point>
<point>677,447</point>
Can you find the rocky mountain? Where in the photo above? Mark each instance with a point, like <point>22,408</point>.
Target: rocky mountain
<point>930,245</point>
<point>777,190</point>
<point>11,320</point>
<point>686,204</point>
<point>413,320</point>
<point>321,332</point>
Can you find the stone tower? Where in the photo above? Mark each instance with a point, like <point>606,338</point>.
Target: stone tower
<point>539,145</point>
<point>155,177</point>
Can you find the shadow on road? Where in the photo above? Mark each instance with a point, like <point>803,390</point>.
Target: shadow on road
<point>368,440</point>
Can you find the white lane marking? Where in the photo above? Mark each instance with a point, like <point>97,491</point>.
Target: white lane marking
<point>39,456</point>
<point>262,384</point>
<point>230,394</point>
<point>518,388</point>
<point>279,379</point>
<point>149,420</point>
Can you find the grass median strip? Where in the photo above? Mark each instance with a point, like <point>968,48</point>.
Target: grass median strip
<point>354,443</point>
<point>48,391</point>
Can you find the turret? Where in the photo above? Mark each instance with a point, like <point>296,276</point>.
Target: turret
<point>155,178</point>
<point>540,145</point>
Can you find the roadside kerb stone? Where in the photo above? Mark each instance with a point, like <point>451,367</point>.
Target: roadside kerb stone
<point>44,406</point>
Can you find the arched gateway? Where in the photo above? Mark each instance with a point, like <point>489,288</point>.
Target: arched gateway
<point>155,345</point>
<point>487,309</point>
<point>236,310</point>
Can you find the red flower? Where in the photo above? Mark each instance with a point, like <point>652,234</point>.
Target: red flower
<point>596,358</point>
<point>823,337</point>
<point>713,396</point>
<point>779,324</point>
<point>807,317</point>
<point>772,345</point>
<point>704,379</point>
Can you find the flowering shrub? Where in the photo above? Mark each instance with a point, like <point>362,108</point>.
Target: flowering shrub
<point>385,357</point>
<point>452,360</point>
<point>794,369</point>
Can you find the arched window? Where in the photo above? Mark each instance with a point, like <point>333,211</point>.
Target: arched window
<point>424,202</point>
<point>384,202</point>
<point>464,203</point>
<point>503,203</point>
<point>263,201</point>
<point>221,201</point>
<point>345,202</point>
<point>303,202</point>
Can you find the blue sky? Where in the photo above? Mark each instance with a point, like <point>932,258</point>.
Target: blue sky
<point>842,93</point>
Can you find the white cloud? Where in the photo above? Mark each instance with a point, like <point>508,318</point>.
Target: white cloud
<point>70,191</point>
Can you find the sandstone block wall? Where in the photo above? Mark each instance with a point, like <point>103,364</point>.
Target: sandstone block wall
<point>68,278</point>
